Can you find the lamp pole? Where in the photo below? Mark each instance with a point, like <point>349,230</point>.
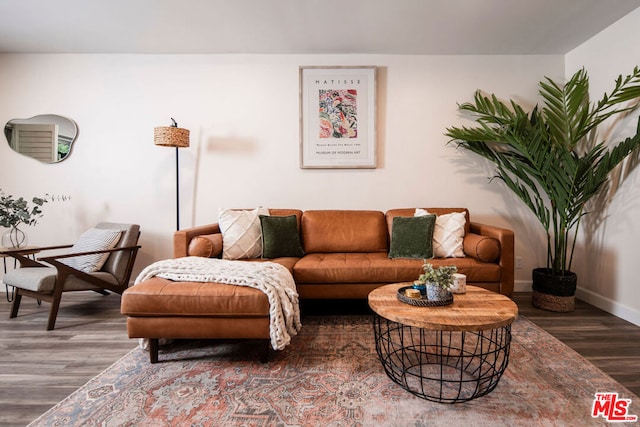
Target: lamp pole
<point>173,136</point>
<point>177,190</point>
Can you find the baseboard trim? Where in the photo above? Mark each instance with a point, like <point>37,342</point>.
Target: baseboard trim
<point>610,306</point>
<point>522,286</point>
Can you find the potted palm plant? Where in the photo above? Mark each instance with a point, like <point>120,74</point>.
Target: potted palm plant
<point>550,159</point>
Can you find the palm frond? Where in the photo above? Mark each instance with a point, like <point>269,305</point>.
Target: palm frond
<point>545,157</point>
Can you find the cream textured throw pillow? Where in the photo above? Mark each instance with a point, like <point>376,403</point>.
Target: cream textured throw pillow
<point>241,233</point>
<point>94,239</point>
<point>448,234</point>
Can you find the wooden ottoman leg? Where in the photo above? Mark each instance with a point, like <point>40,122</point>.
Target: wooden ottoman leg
<point>153,350</point>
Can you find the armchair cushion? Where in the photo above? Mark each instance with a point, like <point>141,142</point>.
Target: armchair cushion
<point>43,279</point>
<point>94,239</point>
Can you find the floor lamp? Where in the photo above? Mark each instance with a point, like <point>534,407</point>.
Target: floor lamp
<point>173,136</point>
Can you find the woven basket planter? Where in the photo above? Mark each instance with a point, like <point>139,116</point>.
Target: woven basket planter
<point>553,303</point>
<point>553,292</point>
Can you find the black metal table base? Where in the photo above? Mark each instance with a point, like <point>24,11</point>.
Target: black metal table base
<point>442,366</point>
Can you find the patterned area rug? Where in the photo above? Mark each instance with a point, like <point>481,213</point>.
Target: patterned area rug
<point>329,376</point>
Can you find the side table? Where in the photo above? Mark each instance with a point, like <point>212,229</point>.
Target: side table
<point>445,354</point>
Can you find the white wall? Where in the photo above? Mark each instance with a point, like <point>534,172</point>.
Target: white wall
<point>607,273</point>
<point>243,115</point>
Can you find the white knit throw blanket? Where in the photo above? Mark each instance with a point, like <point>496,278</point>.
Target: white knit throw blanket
<point>271,278</point>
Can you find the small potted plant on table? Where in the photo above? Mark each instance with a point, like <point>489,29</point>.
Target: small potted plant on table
<point>437,281</point>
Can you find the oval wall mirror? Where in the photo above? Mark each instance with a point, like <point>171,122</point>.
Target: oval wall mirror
<point>47,137</point>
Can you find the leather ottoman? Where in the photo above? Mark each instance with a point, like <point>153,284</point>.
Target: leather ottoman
<point>160,308</point>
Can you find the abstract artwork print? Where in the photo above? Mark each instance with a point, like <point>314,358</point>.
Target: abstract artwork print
<point>338,113</point>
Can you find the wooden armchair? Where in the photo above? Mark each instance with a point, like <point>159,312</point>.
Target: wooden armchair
<point>49,277</point>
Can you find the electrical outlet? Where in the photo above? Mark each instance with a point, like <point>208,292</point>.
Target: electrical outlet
<point>519,262</point>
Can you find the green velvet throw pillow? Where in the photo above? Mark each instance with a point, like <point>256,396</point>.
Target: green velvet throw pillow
<point>280,237</point>
<point>412,237</point>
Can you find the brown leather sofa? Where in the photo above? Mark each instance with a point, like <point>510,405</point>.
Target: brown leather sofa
<point>346,257</point>
<point>346,252</point>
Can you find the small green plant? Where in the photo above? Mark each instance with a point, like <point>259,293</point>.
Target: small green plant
<point>441,276</point>
<point>14,212</point>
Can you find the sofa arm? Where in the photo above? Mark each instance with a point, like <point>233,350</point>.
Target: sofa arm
<point>182,238</point>
<point>507,256</point>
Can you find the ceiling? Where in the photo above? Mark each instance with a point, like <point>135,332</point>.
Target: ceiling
<point>421,27</point>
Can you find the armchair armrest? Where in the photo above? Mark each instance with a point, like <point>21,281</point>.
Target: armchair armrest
<point>75,254</point>
<point>507,256</point>
<point>20,254</point>
<point>32,249</point>
<point>182,238</point>
<point>66,270</point>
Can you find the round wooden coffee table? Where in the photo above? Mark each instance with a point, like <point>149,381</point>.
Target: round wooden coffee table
<point>445,354</point>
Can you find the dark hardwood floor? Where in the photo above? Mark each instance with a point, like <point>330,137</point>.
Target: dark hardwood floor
<point>610,343</point>
<point>40,368</point>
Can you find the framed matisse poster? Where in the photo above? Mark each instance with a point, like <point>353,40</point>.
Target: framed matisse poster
<point>337,117</point>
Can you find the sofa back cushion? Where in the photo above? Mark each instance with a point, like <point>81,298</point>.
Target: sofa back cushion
<point>331,231</point>
<point>287,212</point>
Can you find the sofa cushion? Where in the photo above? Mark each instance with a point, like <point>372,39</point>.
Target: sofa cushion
<point>475,270</point>
<point>287,212</point>
<point>344,231</point>
<point>241,233</point>
<point>163,297</point>
<point>287,262</point>
<point>376,267</point>
<point>280,237</point>
<point>353,267</point>
<point>412,237</point>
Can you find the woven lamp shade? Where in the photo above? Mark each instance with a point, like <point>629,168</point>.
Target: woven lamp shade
<point>171,136</point>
